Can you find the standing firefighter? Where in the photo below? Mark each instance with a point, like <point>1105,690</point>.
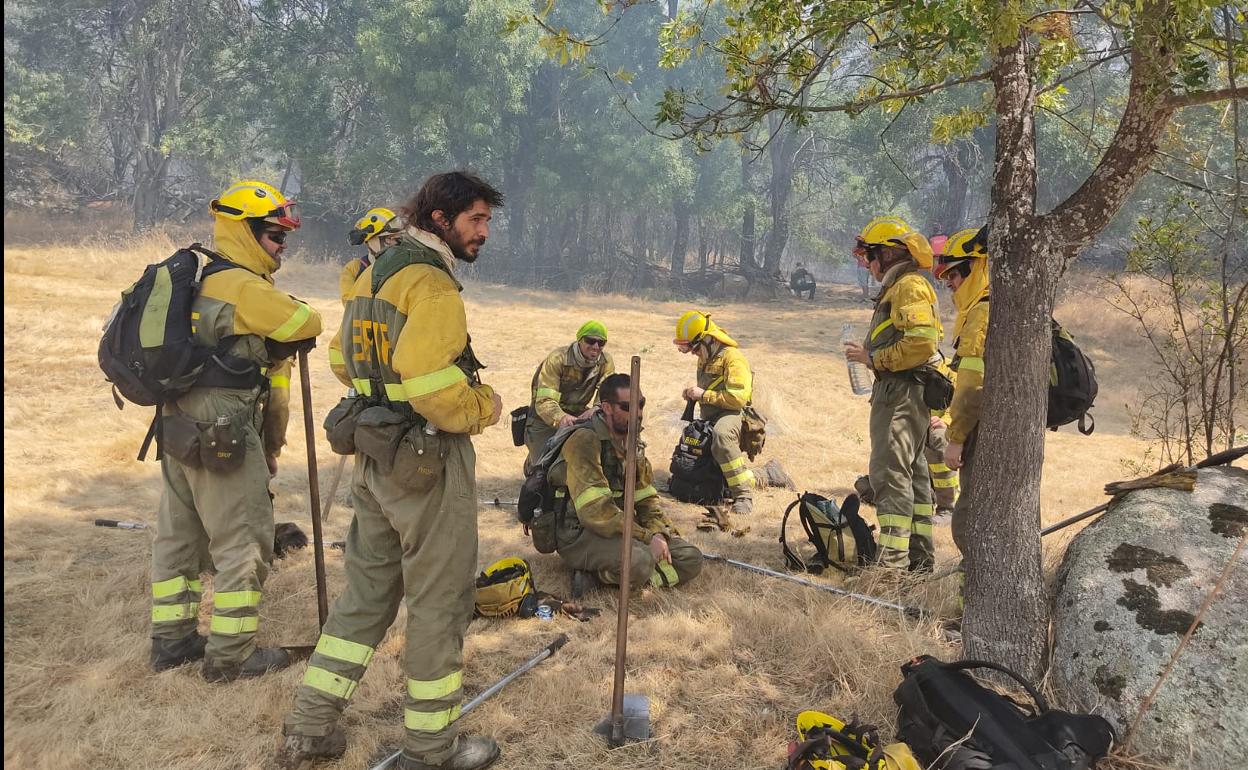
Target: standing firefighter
<point>901,345</point>
<point>215,508</point>
<point>725,385</point>
<point>565,384</point>
<point>591,470</point>
<point>377,230</point>
<point>404,348</point>
<point>964,269</point>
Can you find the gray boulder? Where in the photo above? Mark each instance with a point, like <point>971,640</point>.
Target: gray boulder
<point>1129,588</point>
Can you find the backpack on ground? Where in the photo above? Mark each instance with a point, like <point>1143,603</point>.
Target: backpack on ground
<point>147,351</point>
<point>505,588</point>
<point>827,743</point>
<point>841,537</point>
<point>954,723</point>
<point>1072,384</point>
<point>696,477</point>
<point>540,505</point>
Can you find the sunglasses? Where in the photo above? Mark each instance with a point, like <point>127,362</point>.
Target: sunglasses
<point>594,342</point>
<point>277,236</point>
<point>623,405</point>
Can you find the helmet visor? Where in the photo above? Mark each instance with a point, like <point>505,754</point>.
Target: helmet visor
<point>285,215</point>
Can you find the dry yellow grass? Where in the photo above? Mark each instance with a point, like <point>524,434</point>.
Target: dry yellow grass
<point>727,662</point>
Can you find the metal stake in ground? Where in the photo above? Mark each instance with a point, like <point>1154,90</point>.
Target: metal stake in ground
<point>630,715</point>
<point>549,650</point>
<point>314,488</point>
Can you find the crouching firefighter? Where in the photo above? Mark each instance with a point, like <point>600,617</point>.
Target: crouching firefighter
<point>564,385</point>
<point>220,443</point>
<point>404,348</point>
<point>902,350</point>
<point>585,469</point>
<point>725,385</point>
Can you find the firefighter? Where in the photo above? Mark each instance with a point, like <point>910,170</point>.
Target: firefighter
<point>904,334</point>
<point>591,469</point>
<point>222,516</point>
<point>964,269</point>
<point>404,348</point>
<point>724,388</point>
<point>378,230</point>
<point>564,386</point>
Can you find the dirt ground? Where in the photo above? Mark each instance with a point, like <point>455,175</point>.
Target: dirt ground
<point>727,661</point>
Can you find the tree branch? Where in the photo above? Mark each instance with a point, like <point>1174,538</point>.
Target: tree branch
<point>1193,98</point>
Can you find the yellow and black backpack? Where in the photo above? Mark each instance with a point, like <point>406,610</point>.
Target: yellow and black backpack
<point>841,537</point>
<point>505,588</point>
<point>826,743</point>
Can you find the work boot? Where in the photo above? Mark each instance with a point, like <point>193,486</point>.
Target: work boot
<point>584,581</point>
<point>943,516</point>
<point>300,751</point>
<point>471,753</point>
<point>171,653</point>
<point>742,506</point>
<point>261,662</point>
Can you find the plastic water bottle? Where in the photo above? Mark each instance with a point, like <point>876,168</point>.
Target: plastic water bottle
<point>859,374</point>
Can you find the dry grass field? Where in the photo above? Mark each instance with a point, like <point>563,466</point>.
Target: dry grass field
<point>727,661</point>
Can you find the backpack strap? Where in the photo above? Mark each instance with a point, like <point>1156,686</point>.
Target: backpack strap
<point>403,254</point>
<point>965,665</point>
<point>790,558</point>
<point>1087,423</point>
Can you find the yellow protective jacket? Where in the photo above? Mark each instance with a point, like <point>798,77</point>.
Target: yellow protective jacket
<point>409,337</point>
<point>561,386</point>
<point>968,361</point>
<point>727,381</point>
<point>245,303</point>
<point>350,272</point>
<point>905,329</point>
<point>592,468</point>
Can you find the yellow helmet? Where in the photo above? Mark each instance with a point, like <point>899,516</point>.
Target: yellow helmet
<point>374,223</point>
<point>503,587</point>
<point>893,231</point>
<point>693,325</point>
<point>971,243</point>
<point>251,199</point>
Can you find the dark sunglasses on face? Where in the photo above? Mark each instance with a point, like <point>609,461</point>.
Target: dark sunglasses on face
<point>277,236</point>
<point>594,342</point>
<point>623,405</point>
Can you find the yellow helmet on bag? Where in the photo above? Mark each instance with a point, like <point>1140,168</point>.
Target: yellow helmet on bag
<point>825,741</point>
<point>251,199</point>
<point>893,231</point>
<point>375,222</point>
<point>503,586</point>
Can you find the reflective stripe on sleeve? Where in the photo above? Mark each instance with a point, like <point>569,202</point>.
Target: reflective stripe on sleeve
<point>927,332</point>
<point>432,689</point>
<point>434,381</point>
<point>971,364</point>
<point>877,331</point>
<point>279,381</point>
<point>664,575</point>
<point>335,356</point>
<point>284,332</point>
<point>938,468</point>
<point>362,386</point>
<point>429,721</point>
<point>590,495</point>
<point>541,393</point>
<point>327,681</point>
<point>344,650</point>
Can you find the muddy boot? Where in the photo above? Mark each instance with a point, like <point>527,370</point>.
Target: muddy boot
<point>583,582</point>
<point>261,662</point>
<point>301,751</point>
<point>171,653</point>
<point>471,753</point>
<point>742,506</point>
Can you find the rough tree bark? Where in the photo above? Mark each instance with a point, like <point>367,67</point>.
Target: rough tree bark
<point>1006,613</point>
<point>162,46</point>
<point>747,216</point>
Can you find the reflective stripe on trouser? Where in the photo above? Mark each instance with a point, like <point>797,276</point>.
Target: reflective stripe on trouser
<point>899,425</point>
<point>213,520</point>
<point>419,548</point>
<point>601,556</point>
<point>726,449</point>
<point>944,478</point>
<point>175,607</point>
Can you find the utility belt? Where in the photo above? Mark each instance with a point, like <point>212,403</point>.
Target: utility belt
<point>219,446</point>
<point>937,386</point>
<point>397,438</point>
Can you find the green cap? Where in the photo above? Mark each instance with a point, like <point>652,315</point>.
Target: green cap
<point>592,329</point>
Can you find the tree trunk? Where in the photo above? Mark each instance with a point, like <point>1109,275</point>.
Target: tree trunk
<point>162,58</point>
<point>783,161</point>
<point>680,244</point>
<point>747,217</point>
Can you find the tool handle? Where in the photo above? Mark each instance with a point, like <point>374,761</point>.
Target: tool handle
<point>120,524</point>
<point>626,545</point>
<point>314,489</point>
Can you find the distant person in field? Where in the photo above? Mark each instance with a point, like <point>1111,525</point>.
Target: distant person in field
<point>591,468</point>
<point>565,385</point>
<point>902,340</point>
<point>800,281</point>
<point>222,516</point>
<point>377,231</point>
<point>724,387</point>
<point>404,347</point>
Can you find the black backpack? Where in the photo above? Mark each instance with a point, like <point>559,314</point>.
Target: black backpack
<point>539,506</point>
<point>696,477</point>
<point>951,722</point>
<point>147,351</point>
<point>826,526</point>
<point>1072,384</point>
